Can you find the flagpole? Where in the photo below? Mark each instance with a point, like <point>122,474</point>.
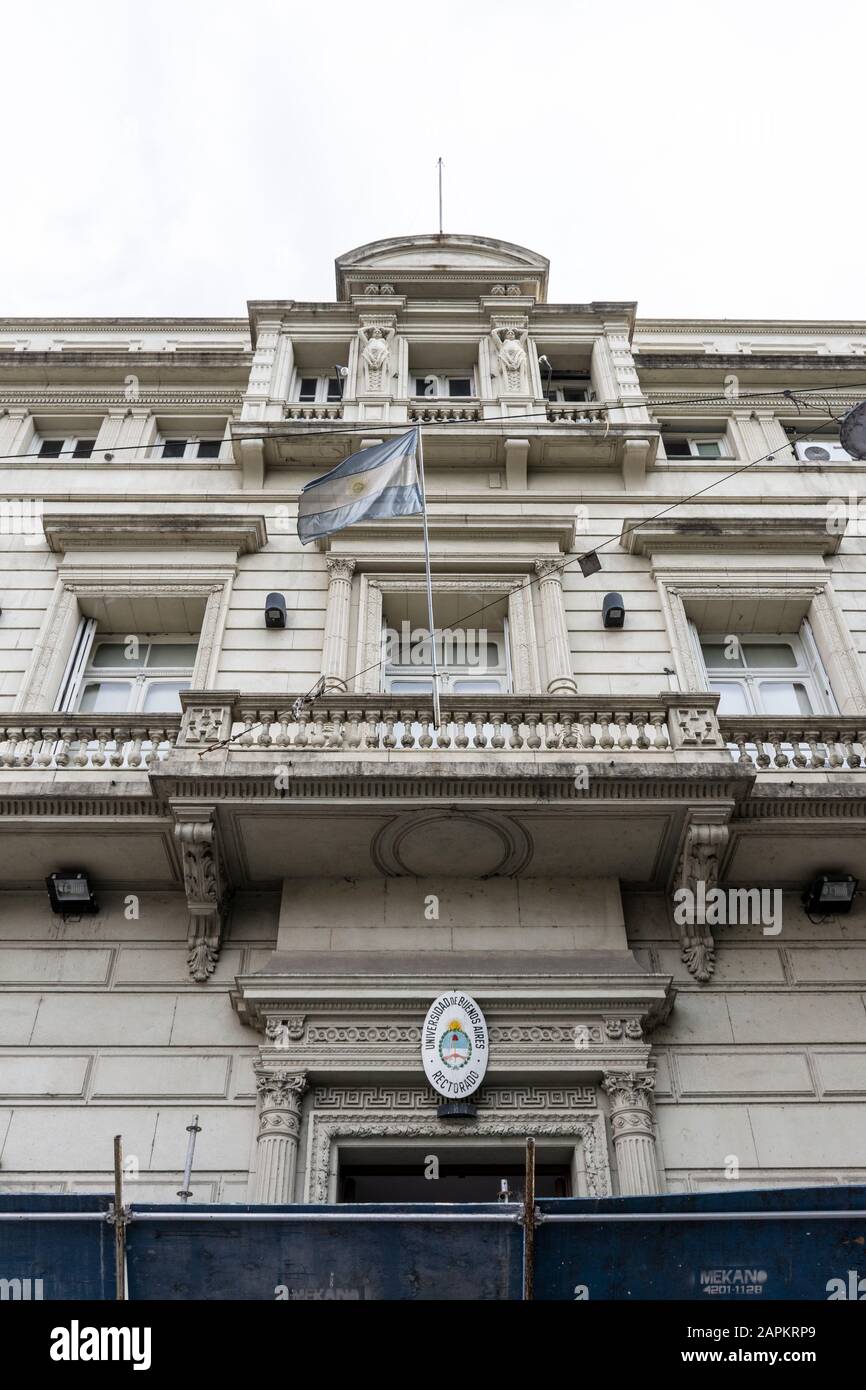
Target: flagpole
<point>437,713</point>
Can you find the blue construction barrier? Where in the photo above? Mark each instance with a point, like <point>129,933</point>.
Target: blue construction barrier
<point>67,1252</point>
<point>734,1246</point>
<point>362,1252</point>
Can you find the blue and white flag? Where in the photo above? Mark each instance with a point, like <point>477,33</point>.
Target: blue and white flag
<point>370,486</point>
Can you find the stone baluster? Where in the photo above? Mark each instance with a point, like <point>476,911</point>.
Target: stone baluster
<point>279,1127</point>
<point>630,1097</point>
<point>335,648</point>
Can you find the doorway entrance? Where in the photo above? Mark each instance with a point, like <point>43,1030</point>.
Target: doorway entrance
<point>447,1173</point>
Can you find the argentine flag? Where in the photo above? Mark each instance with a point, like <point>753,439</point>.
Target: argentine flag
<point>370,486</point>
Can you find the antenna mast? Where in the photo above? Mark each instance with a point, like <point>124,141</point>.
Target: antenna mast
<point>439,164</point>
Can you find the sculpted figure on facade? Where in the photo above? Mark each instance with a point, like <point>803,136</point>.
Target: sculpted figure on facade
<point>376,355</point>
<point>512,356</point>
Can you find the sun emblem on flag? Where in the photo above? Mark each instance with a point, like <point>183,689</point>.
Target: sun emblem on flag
<point>455,1049</point>
<point>357,487</point>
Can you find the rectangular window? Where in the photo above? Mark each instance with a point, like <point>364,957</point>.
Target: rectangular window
<point>699,446</point>
<point>761,674</point>
<point>208,448</point>
<point>137,674</point>
<point>309,387</point>
<point>466,665</point>
<point>83,448</point>
<point>174,448</point>
<point>568,389</point>
<point>51,448</point>
<point>433,385</point>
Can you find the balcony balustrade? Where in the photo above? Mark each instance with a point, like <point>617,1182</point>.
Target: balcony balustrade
<point>500,725</point>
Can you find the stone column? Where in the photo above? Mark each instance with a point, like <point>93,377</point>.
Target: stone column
<point>335,648</point>
<point>280,1095</point>
<point>560,680</point>
<point>630,1095</point>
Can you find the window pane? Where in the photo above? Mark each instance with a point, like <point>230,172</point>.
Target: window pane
<point>162,697</point>
<point>334,393</point>
<point>714,656</point>
<point>208,448</point>
<point>114,654</point>
<point>426,386</point>
<point>459,386</point>
<point>105,697</point>
<point>50,448</point>
<point>477,685</point>
<point>408,687</point>
<point>734,699</point>
<point>775,655</point>
<point>172,655</point>
<point>174,449</point>
<point>676,446</point>
<point>308,388</point>
<point>708,449</point>
<point>784,697</point>
<point>83,448</point>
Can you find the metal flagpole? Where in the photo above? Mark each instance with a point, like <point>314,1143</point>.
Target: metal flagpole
<point>437,713</point>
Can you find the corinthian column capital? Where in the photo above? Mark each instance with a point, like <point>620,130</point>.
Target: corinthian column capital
<point>339,568</point>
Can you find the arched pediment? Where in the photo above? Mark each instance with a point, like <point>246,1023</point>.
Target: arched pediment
<point>470,264</point>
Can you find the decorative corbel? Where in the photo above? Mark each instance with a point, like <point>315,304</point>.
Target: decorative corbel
<point>205,885</point>
<point>698,873</point>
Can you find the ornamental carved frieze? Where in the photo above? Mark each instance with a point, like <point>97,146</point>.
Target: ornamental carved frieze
<point>623,1030</point>
<point>700,863</point>
<point>280,1032</point>
<point>206,889</point>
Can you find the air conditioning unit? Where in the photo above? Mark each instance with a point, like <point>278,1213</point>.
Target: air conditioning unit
<point>820,451</point>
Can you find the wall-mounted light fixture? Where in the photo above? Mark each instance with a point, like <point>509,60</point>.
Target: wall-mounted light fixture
<point>70,893</point>
<point>275,611</point>
<point>830,894</point>
<point>613,610</point>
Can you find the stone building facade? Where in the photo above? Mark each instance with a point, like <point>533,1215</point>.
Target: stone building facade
<point>291,860</point>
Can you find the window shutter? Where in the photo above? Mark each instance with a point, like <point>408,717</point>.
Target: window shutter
<point>816,666</point>
<point>70,686</point>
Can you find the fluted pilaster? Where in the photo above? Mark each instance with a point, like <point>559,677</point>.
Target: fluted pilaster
<point>279,1127</point>
<point>554,637</point>
<point>630,1095</point>
<point>335,650</point>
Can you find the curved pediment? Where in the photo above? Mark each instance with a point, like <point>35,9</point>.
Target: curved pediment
<point>469,264</point>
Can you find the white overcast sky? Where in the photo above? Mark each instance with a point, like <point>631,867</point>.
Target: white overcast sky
<point>180,157</point>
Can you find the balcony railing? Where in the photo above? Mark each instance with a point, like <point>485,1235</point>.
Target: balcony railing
<point>84,743</point>
<point>302,410</point>
<point>673,725</point>
<point>805,744</point>
<point>397,723</point>
<point>433,409</point>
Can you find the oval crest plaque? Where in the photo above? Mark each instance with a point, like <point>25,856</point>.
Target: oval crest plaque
<point>454,1045</point>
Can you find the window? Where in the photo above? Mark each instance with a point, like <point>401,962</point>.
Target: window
<point>128,674</point>
<point>469,662</point>
<point>191,448</point>
<point>66,448</point>
<point>568,386</point>
<point>320,389</point>
<point>444,384</point>
<point>766,674</point>
<point>699,446</point>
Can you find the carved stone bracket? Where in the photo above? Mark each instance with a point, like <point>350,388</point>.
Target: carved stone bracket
<point>699,864</point>
<point>205,886</point>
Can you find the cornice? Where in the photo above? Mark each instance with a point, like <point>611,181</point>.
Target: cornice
<point>762,535</point>
<point>118,531</point>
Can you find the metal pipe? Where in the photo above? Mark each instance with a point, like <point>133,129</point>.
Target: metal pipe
<point>119,1223</point>
<point>512,1213</point>
<point>192,1130</point>
<point>703,1216</point>
<point>55,1215</point>
<point>529,1217</point>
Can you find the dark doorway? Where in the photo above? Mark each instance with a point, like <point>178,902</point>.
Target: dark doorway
<point>455,1182</point>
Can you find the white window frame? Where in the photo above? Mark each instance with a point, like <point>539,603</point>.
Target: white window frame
<point>191,443</point>
<point>442,381</point>
<point>66,449</point>
<point>555,392</point>
<point>140,678</point>
<point>451,674</point>
<point>808,672</point>
<point>322,380</point>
